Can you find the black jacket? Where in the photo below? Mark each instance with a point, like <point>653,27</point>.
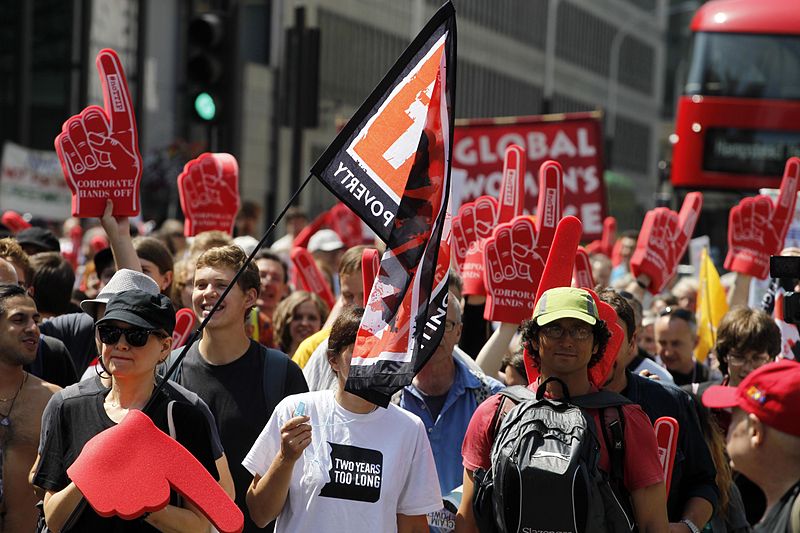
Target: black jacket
<point>693,474</point>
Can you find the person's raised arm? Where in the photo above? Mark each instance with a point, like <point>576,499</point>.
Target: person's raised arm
<point>267,495</point>
<point>491,355</point>
<point>118,230</point>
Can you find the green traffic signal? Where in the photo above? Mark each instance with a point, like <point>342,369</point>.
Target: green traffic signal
<point>205,106</point>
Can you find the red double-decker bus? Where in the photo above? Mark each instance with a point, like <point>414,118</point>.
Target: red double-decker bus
<point>739,117</point>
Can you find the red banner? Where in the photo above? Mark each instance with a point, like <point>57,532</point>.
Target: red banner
<point>574,140</point>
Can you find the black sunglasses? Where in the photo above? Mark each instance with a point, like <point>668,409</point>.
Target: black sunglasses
<point>136,337</point>
<point>679,312</point>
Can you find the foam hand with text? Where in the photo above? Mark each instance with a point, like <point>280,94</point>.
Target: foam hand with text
<point>582,275</point>
<point>757,227</point>
<point>209,192</point>
<point>605,245</point>
<point>662,242</point>
<point>515,255</point>
<point>128,469</point>
<point>308,276</point>
<point>99,148</point>
<point>476,220</point>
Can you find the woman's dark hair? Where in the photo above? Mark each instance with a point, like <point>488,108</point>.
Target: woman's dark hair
<point>344,330</point>
<point>515,360</point>
<point>530,332</point>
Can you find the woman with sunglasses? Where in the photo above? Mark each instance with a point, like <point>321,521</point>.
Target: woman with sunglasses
<point>136,335</point>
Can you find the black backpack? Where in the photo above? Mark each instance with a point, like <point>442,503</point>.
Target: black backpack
<point>545,475</point>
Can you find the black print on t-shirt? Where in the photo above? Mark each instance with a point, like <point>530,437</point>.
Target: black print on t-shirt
<point>355,474</point>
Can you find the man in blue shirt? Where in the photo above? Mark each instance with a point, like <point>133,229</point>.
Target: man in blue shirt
<point>444,394</point>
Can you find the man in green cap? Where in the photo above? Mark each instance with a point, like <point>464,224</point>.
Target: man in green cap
<point>564,338</point>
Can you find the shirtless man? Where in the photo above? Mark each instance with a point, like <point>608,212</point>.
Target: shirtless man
<point>22,400</point>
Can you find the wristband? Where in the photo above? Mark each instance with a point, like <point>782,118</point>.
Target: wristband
<point>688,523</point>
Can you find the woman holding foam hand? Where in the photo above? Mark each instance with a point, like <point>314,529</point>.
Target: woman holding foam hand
<point>332,461</point>
<point>136,335</point>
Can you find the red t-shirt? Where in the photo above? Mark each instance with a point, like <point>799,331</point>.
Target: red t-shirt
<point>642,466</point>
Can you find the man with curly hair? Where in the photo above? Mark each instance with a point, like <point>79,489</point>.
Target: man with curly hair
<point>564,338</point>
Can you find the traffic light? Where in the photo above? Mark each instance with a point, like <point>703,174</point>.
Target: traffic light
<point>206,67</point>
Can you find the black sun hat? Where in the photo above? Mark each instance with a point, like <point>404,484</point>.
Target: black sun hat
<point>139,308</point>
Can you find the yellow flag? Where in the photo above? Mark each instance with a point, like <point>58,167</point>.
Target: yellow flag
<point>711,306</point>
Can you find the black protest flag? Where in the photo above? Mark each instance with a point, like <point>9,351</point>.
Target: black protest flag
<point>391,166</point>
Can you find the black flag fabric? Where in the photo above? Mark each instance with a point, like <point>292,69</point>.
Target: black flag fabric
<point>391,166</point>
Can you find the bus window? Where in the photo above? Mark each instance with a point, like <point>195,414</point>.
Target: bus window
<point>745,66</point>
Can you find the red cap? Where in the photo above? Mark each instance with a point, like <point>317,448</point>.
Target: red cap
<point>771,392</point>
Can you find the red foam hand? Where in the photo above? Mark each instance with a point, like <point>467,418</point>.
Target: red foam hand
<point>598,374</point>
<point>582,276</point>
<point>209,193</point>
<point>663,240</point>
<point>757,227</point>
<point>14,221</point>
<point>99,148</point>
<point>667,429</point>
<point>476,220</point>
<point>346,224</point>
<point>561,259</point>
<point>302,238</point>
<point>185,320</point>
<point>515,255</point>
<point>605,245</point>
<point>127,470</point>
<point>308,276</point>
<point>370,265</point>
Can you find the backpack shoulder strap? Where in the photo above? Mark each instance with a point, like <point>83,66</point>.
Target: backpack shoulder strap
<point>275,365</point>
<point>518,393</point>
<point>509,397</point>
<point>599,400</point>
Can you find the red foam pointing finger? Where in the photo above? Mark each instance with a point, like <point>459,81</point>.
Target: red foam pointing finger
<point>127,470</point>
<point>309,276</point>
<point>512,191</point>
<point>370,264</point>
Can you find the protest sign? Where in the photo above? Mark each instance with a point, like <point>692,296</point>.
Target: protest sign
<point>99,148</point>
<point>574,140</point>
<point>31,181</point>
<point>209,193</point>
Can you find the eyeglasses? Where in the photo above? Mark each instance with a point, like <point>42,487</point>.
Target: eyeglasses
<point>136,337</point>
<point>450,325</point>
<point>678,312</point>
<point>754,362</point>
<point>579,333</point>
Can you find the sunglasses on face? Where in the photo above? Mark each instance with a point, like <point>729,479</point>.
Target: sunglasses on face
<point>136,337</point>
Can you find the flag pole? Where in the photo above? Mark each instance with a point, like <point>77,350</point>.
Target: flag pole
<point>171,370</point>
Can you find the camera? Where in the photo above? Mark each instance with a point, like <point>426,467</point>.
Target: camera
<point>787,270</point>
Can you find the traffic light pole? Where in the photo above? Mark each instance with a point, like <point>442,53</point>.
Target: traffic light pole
<point>297,113</point>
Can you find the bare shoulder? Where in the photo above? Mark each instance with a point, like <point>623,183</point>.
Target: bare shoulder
<point>40,390</point>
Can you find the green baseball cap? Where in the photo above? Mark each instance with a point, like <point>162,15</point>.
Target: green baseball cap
<point>565,302</point>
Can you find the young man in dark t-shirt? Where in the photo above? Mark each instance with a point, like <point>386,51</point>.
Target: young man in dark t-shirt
<point>225,368</point>
<point>764,437</point>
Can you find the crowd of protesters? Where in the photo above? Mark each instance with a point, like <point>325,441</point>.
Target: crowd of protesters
<point>86,332</point>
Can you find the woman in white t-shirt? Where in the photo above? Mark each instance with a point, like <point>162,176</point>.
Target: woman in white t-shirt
<point>332,461</point>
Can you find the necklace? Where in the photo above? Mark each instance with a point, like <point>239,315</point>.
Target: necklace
<point>5,421</point>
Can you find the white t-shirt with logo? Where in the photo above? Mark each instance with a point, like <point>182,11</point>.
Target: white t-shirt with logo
<point>359,472</point>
